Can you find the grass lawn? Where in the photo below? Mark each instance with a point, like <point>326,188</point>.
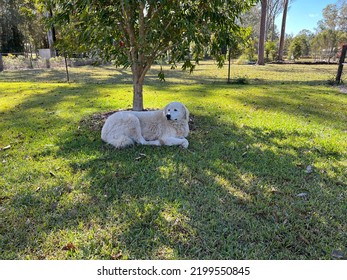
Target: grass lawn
<point>264,177</point>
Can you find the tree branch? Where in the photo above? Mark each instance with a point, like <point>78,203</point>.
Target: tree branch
<point>132,38</point>
<point>142,34</point>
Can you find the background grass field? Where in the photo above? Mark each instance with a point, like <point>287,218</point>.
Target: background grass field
<point>264,177</point>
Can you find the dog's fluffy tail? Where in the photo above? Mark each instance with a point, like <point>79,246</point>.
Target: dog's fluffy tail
<point>120,142</point>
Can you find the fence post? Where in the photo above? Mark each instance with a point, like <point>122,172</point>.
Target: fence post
<point>67,69</point>
<point>1,63</point>
<point>341,61</point>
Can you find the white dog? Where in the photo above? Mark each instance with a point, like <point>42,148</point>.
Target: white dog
<point>162,127</point>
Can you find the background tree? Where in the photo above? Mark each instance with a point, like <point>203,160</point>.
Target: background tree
<point>270,50</point>
<point>20,26</point>
<point>250,50</point>
<point>295,48</point>
<point>331,32</point>
<point>274,8</point>
<point>330,18</point>
<point>134,33</point>
<point>306,37</point>
<point>283,29</point>
<point>32,26</point>
<point>11,39</point>
<point>342,15</point>
<point>261,46</point>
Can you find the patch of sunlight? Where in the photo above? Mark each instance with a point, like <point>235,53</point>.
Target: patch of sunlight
<point>176,225</point>
<point>236,192</point>
<point>166,169</point>
<point>164,253</point>
<point>172,215</point>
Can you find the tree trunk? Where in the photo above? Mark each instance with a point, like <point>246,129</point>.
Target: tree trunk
<point>341,61</point>
<point>229,64</point>
<point>1,63</point>
<point>138,95</point>
<point>261,46</point>
<point>139,70</point>
<point>51,35</point>
<point>283,31</point>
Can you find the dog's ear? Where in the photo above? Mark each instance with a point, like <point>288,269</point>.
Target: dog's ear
<point>186,113</point>
<point>165,110</point>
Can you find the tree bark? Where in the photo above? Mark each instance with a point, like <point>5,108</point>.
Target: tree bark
<point>1,63</point>
<point>139,70</point>
<point>138,96</point>
<point>283,30</point>
<point>51,35</point>
<point>341,61</point>
<point>261,46</point>
<point>229,65</point>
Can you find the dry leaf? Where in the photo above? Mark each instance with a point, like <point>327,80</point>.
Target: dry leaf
<point>337,254</point>
<point>5,148</point>
<point>69,247</point>
<point>141,155</point>
<point>304,239</point>
<point>275,191</point>
<point>302,194</point>
<point>117,256</point>
<point>309,169</point>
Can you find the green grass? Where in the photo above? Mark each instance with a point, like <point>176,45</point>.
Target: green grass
<point>241,191</point>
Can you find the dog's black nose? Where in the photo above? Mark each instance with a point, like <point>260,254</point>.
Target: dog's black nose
<point>168,116</point>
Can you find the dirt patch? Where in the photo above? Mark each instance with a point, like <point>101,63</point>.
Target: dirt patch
<point>96,121</point>
<point>343,89</point>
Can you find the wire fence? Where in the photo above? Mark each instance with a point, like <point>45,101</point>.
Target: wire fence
<point>25,61</point>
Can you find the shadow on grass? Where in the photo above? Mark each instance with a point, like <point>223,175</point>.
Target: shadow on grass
<point>232,195</point>
<point>236,193</point>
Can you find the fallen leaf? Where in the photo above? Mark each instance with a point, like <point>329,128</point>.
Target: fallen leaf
<point>5,148</point>
<point>309,169</point>
<point>4,198</point>
<point>304,239</point>
<point>337,254</point>
<point>117,256</point>
<point>275,191</point>
<point>141,155</point>
<point>69,247</point>
<point>302,194</point>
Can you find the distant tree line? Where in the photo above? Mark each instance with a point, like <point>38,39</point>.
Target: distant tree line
<point>22,29</point>
<point>21,26</point>
<point>321,45</point>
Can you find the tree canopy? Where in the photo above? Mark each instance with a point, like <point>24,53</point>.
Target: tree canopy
<point>137,33</point>
<point>134,33</point>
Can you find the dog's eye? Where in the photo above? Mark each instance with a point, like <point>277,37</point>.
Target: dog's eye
<point>175,110</point>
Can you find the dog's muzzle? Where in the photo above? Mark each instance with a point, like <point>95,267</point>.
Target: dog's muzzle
<point>168,116</point>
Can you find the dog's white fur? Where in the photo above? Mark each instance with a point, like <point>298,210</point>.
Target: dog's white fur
<point>161,127</point>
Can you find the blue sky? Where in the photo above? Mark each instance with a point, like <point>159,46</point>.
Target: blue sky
<point>303,14</point>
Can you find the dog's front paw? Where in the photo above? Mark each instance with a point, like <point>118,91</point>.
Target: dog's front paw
<point>185,144</point>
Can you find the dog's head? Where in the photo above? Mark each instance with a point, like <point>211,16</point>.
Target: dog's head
<point>176,111</point>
